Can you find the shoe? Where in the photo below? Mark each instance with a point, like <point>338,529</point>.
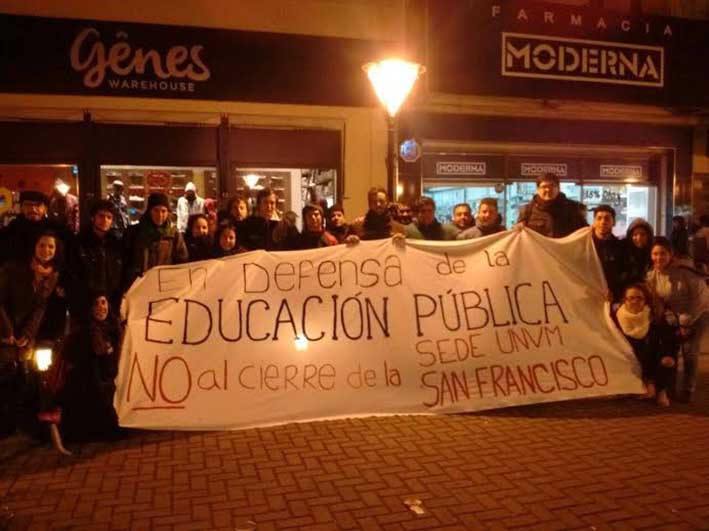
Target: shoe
<point>662,399</point>
<point>685,397</point>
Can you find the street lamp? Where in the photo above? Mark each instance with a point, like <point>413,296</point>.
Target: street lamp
<point>393,80</point>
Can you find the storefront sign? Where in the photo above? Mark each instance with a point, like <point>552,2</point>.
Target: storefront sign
<point>539,57</point>
<point>526,48</point>
<point>621,171</point>
<point>69,56</point>
<point>533,169</point>
<point>461,168</point>
<point>376,329</point>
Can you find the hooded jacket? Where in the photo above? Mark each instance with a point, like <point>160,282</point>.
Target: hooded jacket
<point>636,261</point>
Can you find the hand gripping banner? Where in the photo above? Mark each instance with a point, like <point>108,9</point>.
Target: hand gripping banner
<point>371,329</point>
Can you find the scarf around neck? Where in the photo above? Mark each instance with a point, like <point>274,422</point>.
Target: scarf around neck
<point>635,325</point>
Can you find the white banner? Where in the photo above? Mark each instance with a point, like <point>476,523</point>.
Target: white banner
<point>371,329</point>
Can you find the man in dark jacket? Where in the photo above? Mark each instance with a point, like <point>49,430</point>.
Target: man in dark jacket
<point>378,223</point>
<point>337,224</point>
<point>256,232</point>
<point>609,249</point>
<point>96,261</point>
<point>154,241</point>
<point>426,226</point>
<point>550,212</point>
<point>17,239</point>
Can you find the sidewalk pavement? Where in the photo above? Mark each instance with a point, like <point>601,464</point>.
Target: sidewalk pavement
<point>591,464</point>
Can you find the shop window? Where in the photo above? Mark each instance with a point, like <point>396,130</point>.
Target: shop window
<point>629,201</point>
<point>59,182</point>
<point>294,188</point>
<point>140,181</point>
<point>446,197</point>
<point>521,193</point>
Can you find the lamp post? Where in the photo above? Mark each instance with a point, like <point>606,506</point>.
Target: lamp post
<point>392,80</point>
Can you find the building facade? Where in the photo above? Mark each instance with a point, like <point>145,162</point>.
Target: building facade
<point>606,94</point>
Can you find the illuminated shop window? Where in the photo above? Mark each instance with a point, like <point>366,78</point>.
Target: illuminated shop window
<point>59,182</point>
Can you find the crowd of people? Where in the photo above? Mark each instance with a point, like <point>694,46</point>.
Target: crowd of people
<point>66,289</point>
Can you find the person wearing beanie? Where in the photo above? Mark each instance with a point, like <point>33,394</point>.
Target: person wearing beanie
<point>337,224</point>
<point>17,239</point>
<point>188,204</point>
<point>314,234</point>
<point>153,241</point>
<point>96,261</point>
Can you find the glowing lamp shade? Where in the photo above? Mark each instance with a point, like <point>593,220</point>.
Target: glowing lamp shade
<point>392,80</point>
<point>252,180</point>
<point>43,358</point>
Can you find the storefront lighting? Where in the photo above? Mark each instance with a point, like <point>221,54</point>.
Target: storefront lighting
<point>43,358</point>
<point>392,80</point>
<point>252,180</point>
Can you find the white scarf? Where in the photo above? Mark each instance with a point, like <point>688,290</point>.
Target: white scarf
<point>635,325</point>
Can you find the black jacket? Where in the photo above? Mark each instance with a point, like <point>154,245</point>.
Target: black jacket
<point>96,266</point>
<point>557,219</point>
<point>610,253</point>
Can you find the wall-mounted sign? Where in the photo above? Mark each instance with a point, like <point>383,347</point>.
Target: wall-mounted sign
<point>71,56</point>
<point>541,57</point>
<point>461,167</point>
<point>528,48</point>
<point>624,171</point>
<point>410,150</point>
<point>534,169</point>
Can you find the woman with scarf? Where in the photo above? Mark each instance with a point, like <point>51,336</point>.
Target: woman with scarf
<point>32,309</point>
<point>684,299</point>
<point>652,341</point>
<point>153,241</point>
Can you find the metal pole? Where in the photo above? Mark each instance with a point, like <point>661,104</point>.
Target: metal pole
<point>392,158</point>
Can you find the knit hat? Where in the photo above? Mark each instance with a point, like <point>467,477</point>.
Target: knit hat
<point>33,195</point>
<point>158,199</point>
<point>190,187</point>
<point>102,204</point>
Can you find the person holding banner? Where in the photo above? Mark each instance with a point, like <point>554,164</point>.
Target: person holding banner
<point>154,240</point>
<point>425,225</point>
<point>550,212</point>
<point>336,223</point>
<point>225,242</point>
<point>256,232</point>
<point>683,293</point>
<point>488,221</point>
<point>377,223</point>
<point>314,234</point>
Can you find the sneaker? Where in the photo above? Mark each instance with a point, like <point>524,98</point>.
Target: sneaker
<point>662,399</point>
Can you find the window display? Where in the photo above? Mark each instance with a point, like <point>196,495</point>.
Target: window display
<point>446,197</point>
<point>135,183</point>
<point>293,187</point>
